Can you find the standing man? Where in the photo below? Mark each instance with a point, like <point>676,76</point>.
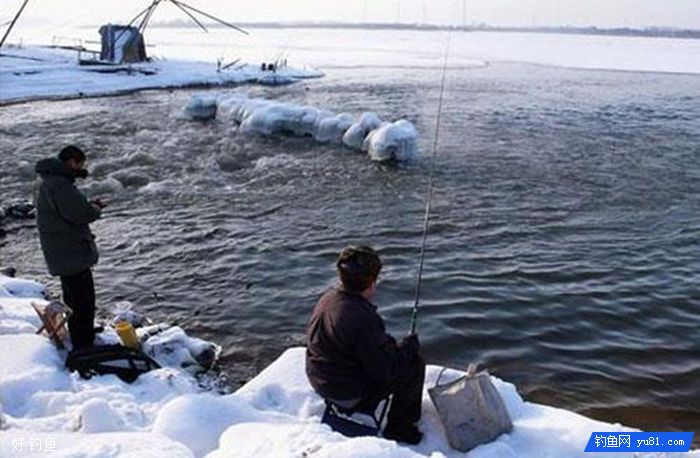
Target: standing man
<point>63,218</point>
<point>352,361</point>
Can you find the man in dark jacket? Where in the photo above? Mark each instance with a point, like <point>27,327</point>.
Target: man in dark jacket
<point>63,218</point>
<point>352,361</point>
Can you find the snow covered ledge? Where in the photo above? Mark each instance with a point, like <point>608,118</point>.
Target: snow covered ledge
<point>166,413</point>
<point>43,73</point>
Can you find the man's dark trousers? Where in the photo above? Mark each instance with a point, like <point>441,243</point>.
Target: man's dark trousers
<point>407,388</point>
<point>79,295</point>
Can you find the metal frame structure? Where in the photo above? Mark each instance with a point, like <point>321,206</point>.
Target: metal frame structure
<point>145,16</point>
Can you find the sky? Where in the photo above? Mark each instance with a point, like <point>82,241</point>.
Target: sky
<point>601,13</point>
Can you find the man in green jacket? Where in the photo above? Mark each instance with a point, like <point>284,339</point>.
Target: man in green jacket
<point>63,218</point>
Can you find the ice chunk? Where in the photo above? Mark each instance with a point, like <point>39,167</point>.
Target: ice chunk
<point>332,129</point>
<point>140,158</point>
<point>132,177</point>
<point>356,134</point>
<point>388,141</point>
<point>159,188</point>
<point>201,107</point>
<point>271,119</point>
<point>309,119</point>
<point>392,141</point>
<point>173,348</point>
<point>248,107</point>
<point>109,185</point>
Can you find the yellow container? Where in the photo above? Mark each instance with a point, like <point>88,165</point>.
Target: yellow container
<point>127,334</point>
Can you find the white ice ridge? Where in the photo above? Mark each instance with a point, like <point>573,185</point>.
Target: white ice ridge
<point>383,141</point>
<point>166,413</point>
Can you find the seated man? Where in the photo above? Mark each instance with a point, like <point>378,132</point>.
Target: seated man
<point>352,361</point>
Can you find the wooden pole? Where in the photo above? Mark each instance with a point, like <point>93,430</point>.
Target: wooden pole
<point>12,24</point>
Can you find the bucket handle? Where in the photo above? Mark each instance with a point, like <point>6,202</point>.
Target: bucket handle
<point>471,371</point>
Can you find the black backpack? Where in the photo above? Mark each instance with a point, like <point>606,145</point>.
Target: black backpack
<point>125,362</point>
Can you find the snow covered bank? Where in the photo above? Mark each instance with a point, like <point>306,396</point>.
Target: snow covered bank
<point>34,73</point>
<point>383,141</point>
<point>167,413</point>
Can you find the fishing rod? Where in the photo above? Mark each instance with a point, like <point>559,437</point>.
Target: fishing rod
<point>12,23</point>
<point>431,181</point>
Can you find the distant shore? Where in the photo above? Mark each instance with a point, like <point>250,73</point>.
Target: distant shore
<point>653,32</point>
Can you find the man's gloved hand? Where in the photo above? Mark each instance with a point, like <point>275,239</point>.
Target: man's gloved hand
<point>411,344</point>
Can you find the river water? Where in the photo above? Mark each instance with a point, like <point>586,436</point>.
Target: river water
<point>563,252</point>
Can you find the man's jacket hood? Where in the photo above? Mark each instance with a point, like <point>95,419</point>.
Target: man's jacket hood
<point>63,218</point>
<point>54,166</point>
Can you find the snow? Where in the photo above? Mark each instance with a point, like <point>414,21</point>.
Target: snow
<point>98,416</point>
<point>382,141</point>
<point>17,287</point>
<point>291,440</point>
<point>72,445</point>
<point>174,348</point>
<point>34,72</point>
<point>198,421</point>
<point>167,413</point>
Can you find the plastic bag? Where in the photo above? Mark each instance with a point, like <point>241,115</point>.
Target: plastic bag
<point>471,410</point>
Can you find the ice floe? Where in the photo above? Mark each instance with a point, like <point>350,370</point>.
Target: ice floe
<point>383,141</point>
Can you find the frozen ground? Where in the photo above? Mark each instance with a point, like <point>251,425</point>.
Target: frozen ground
<point>167,413</point>
<point>34,72</point>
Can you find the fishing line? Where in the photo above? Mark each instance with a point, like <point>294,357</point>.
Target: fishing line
<point>431,180</point>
